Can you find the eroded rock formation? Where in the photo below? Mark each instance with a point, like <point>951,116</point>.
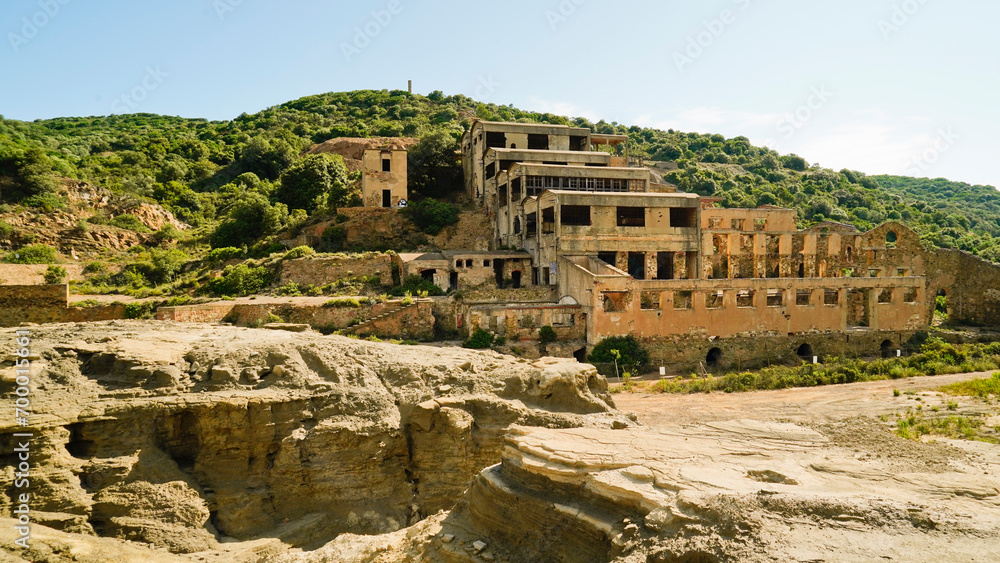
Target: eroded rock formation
<point>179,435</point>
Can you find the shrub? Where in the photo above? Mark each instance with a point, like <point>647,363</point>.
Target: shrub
<point>167,233</point>
<point>55,274</point>
<point>632,353</point>
<point>5,229</point>
<point>547,334</point>
<point>479,340</point>
<point>431,215</point>
<point>333,238</point>
<point>86,303</point>
<point>224,254</point>
<point>299,252</point>
<point>45,202</point>
<point>165,265</point>
<point>240,280</point>
<point>290,289</point>
<point>32,254</point>
<point>140,310</point>
<point>352,302</point>
<point>129,222</point>
<point>414,284</point>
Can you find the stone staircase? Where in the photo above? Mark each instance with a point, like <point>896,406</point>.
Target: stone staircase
<point>368,323</point>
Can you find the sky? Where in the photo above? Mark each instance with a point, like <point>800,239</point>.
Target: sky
<point>881,86</point>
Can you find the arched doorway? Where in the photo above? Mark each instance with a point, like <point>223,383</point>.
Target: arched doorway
<point>805,352</point>
<point>891,238</point>
<point>887,349</point>
<point>714,358</point>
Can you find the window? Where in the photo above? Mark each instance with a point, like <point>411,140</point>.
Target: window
<point>736,224</point>
<point>775,298</point>
<point>745,298</point>
<point>468,263</point>
<point>631,216</point>
<point>458,263</point>
<point>486,263</point>
<point>890,239</point>
<point>531,225</point>
<point>650,300</point>
<point>684,217</point>
<point>885,295</point>
<point>901,273</point>
<point>682,300</point>
<point>713,222</point>
<point>496,139</point>
<point>491,170</point>
<point>386,165</point>
<point>538,142</point>
<point>803,297</point>
<point>548,220</point>
<point>614,301</point>
<point>831,297</point>
<point>910,295</point>
<point>714,300</point>
<point>872,273</point>
<point>575,215</point>
<point>760,224</point>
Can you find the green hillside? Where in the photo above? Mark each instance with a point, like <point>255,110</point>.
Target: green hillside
<point>209,172</point>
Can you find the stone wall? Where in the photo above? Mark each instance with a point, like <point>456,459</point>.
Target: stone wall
<point>21,304</point>
<point>34,274</point>
<point>321,270</point>
<point>971,285</point>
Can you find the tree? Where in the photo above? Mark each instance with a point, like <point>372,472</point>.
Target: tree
<point>250,218</point>
<point>266,159</point>
<point>431,215</point>
<point>628,349</point>
<point>433,166</point>
<point>314,181</point>
<point>55,274</point>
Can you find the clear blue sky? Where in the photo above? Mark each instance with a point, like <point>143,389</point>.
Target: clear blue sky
<point>882,86</point>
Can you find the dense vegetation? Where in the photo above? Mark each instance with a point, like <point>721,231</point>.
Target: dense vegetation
<point>248,175</point>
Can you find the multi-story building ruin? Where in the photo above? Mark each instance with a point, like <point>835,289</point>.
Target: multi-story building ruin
<point>626,254</point>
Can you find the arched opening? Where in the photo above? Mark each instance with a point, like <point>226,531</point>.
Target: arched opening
<point>714,358</point>
<point>850,254</point>
<point>580,355</point>
<point>890,239</point>
<point>888,350</point>
<point>805,352</point>
<point>428,275</point>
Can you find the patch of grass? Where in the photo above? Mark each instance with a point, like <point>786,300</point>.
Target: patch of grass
<point>914,426</point>
<point>346,302</point>
<point>982,388</point>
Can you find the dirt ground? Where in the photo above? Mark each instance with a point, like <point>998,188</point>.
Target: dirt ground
<point>831,403</point>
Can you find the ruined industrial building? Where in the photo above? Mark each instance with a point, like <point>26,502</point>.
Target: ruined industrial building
<point>626,254</point>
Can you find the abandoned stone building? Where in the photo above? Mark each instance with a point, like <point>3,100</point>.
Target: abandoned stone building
<point>625,254</point>
<point>383,180</point>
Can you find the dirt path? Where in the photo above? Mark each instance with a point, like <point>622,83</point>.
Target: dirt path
<point>811,404</point>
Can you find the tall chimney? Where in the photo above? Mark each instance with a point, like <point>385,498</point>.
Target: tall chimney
<point>409,86</point>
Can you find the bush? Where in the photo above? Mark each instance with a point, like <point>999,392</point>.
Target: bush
<point>143,310</point>
<point>479,340</point>
<point>32,254</point>
<point>351,302</point>
<point>632,353</point>
<point>431,215</point>
<point>129,222</point>
<point>167,233</point>
<point>290,289</point>
<point>415,285</point>
<point>224,254</point>
<point>5,229</point>
<point>299,252</point>
<point>240,280</point>
<point>55,274</point>
<point>547,334</point>
<point>45,202</point>
<point>333,238</point>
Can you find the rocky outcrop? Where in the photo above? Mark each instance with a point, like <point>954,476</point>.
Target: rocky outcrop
<point>182,435</point>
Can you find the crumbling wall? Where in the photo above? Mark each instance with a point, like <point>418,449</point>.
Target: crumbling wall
<point>971,285</point>
<point>321,270</point>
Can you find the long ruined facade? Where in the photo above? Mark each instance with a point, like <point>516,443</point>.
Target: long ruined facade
<point>626,254</point>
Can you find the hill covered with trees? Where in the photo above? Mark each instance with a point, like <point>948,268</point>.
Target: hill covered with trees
<point>247,178</point>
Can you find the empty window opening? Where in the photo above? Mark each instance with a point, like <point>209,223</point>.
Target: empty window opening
<point>885,295</point>
<point>548,221</point>
<point>802,269</point>
<point>575,215</point>
<point>682,300</point>
<point>538,142</point>
<point>805,352</point>
<point>386,198</point>
<point>774,298</point>
<point>887,349</point>
<point>386,165</point>
<point>614,301</point>
<point>744,298</point>
<point>683,217</point>
<point>831,297</point>
<point>517,225</point>
<point>714,358</point>
<point>664,265</point>
<point>891,238</point>
<point>850,254</point>
<point>486,263</point>
<point>714,300</point>
<point>458,263</point>
<point>803,297</point>
<point>713,222</point>
<point>428,275</point>
<point>611,258</point>
<point>901,273</point>
<point>631,216</point>
<point>496,139</point>
<point>637,265</point>
<point>760,224</point>
<point>872,273</point>
<point>910,295</point>
<point>847,272</point>
<point>650,300</point>
<point>468,263</point>
<point>531,225</point>
<point>737,224</point>
<point>453,281</point>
